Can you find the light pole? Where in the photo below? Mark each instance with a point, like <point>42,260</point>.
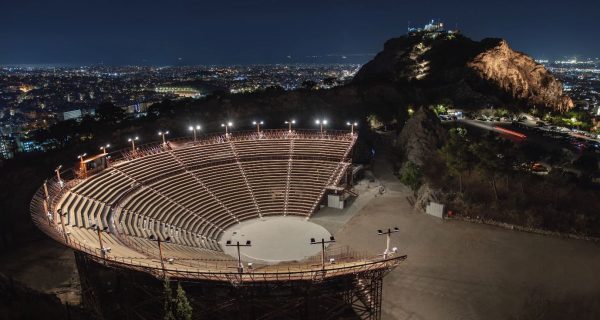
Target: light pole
<point>62,224</point>
<point>133,140</point>
<point>99,230</point>
<point>352,125</point>
<point>388,234</point>
<point>104,147</point>
<point>238,245</point>
<point>163,134</point>
<point>47,211</point>
<point>321,123</point>
<point>80,157</point>
<point>159,241</point>
<point>257,124</point>
<point>46,195</point>
<point>290,123</point>
<point>322,242</point>
<point>57,170</point>
<point>194,129</point>
<point>227,126</point>
<point>82,166</point>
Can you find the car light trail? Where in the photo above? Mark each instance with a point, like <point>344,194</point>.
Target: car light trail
<point>513,133</point>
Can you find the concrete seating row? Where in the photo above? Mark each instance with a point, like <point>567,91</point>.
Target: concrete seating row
<point>192,193</point>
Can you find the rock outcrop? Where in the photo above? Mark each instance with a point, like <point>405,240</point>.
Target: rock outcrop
<point>519,75</point>
<point>422,136</point>
<point>425,195</point>
<point>451,67</point>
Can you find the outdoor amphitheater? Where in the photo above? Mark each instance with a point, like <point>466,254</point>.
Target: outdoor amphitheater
<point>228,215</point>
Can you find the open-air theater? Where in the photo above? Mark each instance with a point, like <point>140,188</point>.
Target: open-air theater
<point>137,216</point>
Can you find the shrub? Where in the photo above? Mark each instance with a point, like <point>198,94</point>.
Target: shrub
<point>411,175</point>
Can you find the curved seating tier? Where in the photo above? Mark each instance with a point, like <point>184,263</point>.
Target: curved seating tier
<point>193,192</point>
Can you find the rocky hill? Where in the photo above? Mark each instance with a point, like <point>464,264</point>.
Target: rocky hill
<point>449,66</point>
<point>422,136</point>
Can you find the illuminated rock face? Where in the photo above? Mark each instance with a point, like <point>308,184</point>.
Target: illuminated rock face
<point>472,74</point>
<point>520,76</point>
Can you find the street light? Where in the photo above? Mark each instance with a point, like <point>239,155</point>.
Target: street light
<point>290,123</point>
<point>163,134</point>
<point>226,126</point>
<point>321,123</point>
<point>352,125</point>
<point>57,170</point>
<point>104,147</point>
<point>80,157</point>
<point>257,124</point>
<point>322,242</point>
<point>99,230</point>
<point>160,241</point>
<point>133,140</point>
<point>194,129</point>
<point>238,245</point>
<point>388,234</point>
<point>62,223</point>
<point>82,166</point>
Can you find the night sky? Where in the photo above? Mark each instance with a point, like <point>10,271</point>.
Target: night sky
<point>267,31</point>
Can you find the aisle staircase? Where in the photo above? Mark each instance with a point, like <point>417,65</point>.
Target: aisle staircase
<point>288,178</point>
<point>239,164</point>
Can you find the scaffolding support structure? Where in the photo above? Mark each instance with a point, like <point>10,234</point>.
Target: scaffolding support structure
<point>118,293</point>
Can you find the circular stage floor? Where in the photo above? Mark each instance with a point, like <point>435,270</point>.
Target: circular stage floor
<point>275,239</point>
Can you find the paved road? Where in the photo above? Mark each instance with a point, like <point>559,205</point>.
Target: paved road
<point>460,270</point>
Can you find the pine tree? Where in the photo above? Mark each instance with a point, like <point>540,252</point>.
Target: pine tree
<point>457,155</point>
<point>494,155</point>
<point>183,309</point>
<point>168,300</point>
